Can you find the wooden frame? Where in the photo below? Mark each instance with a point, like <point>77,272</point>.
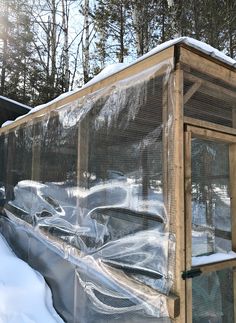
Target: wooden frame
<point>219,134</point>
<point>207,65</point>
<point>181,59</point>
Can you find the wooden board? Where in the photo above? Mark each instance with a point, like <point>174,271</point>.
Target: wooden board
<point>211,134</point>
<point>188,221</point>
<point>207,65</point>
<point>216,91</point>
<point>178,202</point>
<point>209,125</point>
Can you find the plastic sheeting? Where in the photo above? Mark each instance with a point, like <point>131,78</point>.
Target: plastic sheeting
<point>84,195</point>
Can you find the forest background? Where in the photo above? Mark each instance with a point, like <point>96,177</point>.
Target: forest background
<point>48,47</point>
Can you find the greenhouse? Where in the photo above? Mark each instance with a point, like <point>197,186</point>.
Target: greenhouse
<point>122,194</point>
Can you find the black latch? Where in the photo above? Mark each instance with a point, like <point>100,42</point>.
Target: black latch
<point>191,273</point>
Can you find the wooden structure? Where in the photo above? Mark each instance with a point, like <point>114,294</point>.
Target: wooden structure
<point>198,106</point>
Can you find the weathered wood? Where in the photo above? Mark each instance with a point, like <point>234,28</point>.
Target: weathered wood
<point>207,268</point>
<point>188,221</point>
<point>188,200</point>
<point>232,177</point>
<point>211,89</point>
<point>211,134</point>
<point>36,150</point>
<point>178,188</point>
<point>173,305</point>
<point>165,139</point>
<point>209,125</point>
<point>193,89</point>
<point>207,65</point>
<point>82,156</point>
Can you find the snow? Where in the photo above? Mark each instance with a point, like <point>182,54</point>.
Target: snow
<point>194,43</point>
<point>216,257</point>
<point>106,72</point>
<point>6,123</point>
<point>24,295</point>
<point>115,68</point>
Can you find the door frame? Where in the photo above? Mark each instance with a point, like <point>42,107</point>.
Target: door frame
<point>209,131</point>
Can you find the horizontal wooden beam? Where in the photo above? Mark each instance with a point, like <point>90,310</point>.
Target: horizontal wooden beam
<point>211,135</point>
<point>207,268</point>
<point>207,65</point>
<point>209,125</point>
<point>211,89</point>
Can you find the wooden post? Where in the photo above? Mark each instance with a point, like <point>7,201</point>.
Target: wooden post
<point>176,143</point>
<point>232,178</point>
<point>36,149</point>
<point>188,222</point>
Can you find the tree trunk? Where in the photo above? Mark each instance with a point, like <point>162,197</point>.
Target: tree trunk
<point>5,49</point>
<point>53,48</point>
<point>65,22</point>
<point>86,66</point>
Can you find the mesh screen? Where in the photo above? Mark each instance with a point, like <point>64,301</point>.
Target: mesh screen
<point>211,215</point>
<point>213,297</point>
<point>87,181</point>
<point>207,103</point>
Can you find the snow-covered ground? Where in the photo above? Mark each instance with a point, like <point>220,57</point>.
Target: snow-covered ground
<point>24,294</point>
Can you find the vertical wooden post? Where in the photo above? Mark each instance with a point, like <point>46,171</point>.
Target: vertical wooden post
<point>176,143</point>
<point>165,138</point>
<point>82,154</point>
<point>232,178</point>
<point>36,145</point>
<point>188,222</point>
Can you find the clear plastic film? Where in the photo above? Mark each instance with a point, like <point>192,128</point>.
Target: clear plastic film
<point>84,201</point>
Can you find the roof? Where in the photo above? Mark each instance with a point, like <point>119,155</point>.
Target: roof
<point>115,68</point>
<point>10,109</point>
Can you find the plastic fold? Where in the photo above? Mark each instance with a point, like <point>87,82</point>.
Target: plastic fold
<point>84,200</point>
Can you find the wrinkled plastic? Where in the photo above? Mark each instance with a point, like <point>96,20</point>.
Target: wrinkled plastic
<point>82,189</point>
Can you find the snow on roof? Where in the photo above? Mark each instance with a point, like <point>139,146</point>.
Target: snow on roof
<point>196,44</point>
<point>115,68</point>
<point>25,297</point>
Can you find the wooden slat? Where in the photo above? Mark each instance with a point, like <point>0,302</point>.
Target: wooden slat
<point>178,180</point>
<point>232,177</point>
<point>188,200</point>
<point>165,139</point>
<point>173,304</point>
<point>188,222</point>
<point>209,125</point>
<point>193,89</point>
<point>206,65</point>
<point>211,89</point>
<point>207,268</point>
<point>211,135</point>
<point>83,154</point>
<point>163,60</point>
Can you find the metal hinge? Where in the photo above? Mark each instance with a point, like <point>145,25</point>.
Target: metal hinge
<point>191,273</point>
